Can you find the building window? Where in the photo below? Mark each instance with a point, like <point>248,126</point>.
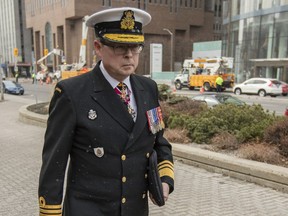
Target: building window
<point>48,39</point>
<point>220,11</point>
<point>145,4</point>
<point>106,3</point>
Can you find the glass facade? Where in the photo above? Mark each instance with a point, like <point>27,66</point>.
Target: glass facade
<point>256,35</point>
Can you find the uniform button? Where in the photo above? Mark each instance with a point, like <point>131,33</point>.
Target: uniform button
<point>123,179</point>
<point>123,200</point>
<point>146,175</point>
<point>123,157</point>
<point>143,195</point>
<point>147,155</point>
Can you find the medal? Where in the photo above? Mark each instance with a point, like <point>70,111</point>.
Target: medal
<point>92,114</point>
<point>99,152</point>
<point>155,120</point>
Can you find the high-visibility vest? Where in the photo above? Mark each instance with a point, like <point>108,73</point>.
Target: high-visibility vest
<point>219,80</point>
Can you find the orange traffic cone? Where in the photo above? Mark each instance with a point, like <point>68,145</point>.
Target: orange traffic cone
<point>172,89</point>
<point>201,90</point>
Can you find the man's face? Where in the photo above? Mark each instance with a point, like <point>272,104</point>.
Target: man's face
<point>120,60</point>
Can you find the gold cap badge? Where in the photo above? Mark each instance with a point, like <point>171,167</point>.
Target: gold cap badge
<point>128,20</point>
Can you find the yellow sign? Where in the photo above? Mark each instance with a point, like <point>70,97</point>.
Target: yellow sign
<point>15,52</point>
<point>46,52</point>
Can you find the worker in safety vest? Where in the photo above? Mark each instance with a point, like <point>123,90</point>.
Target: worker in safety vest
<point>219,82</point>
<point>33,78</point>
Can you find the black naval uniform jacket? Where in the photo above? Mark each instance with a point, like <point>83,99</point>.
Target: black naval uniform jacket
<point>108,153</point>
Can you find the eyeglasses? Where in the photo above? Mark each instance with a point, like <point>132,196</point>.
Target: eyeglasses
<point>123,49</point>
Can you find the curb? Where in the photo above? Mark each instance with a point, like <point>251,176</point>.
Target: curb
<point>251,171</point>
<point>32,118</point>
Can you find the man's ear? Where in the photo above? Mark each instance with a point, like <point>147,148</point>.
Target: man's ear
<point>98,47</point>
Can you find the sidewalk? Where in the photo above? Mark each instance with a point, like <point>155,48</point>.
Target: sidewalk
<point>197,192</point>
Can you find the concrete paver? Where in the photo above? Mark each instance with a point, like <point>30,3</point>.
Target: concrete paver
<point>197,192</point>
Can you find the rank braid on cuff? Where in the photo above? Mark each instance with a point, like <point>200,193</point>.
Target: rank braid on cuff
<point>166,168</point>
<point>49,210</point>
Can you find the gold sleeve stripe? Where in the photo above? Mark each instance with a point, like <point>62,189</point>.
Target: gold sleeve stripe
<point>50,214</point>
<point>166,166</point>
<point>51,207</point>
<point>166,172</point>
<point>166,162</point>
<point>58,89</point>
<point>47,211</point>
<point>51,210</point>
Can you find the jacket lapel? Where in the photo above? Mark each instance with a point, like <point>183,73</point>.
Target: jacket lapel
<point>105,96</point>
<point>141,97</point>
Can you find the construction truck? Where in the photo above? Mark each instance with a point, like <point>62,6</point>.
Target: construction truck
<point>182,79</point>
<point>203,72</point>
<point>44,69</point>
<point>75,69</point>
<point>65,70</point>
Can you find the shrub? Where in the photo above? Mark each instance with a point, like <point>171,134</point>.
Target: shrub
<point>164,92</point>
<point>177,113</point>
<point>284,146</point>
<point>260,152</point>
<point>225,140</point>
<point>246,122</point>
<point>227,126</point>
<point>177,135</point>
<point>277,134</point>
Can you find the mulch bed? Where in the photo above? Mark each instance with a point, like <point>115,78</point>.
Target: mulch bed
<point>40,108</point>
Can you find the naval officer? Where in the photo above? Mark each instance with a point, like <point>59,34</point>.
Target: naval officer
<point>103,126</point>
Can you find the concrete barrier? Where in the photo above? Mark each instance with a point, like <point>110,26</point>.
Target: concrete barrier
<point>29,117</point>
<point>252,171</point>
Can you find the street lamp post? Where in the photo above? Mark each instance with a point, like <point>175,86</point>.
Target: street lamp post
<point>1,80</point>
<point>171,57</point>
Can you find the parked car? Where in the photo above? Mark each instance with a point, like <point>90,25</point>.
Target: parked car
<point>284,88</point>
<point>214,99</point>
<point>12,87</point>
<point>259,86</point>
<point>286,111</point>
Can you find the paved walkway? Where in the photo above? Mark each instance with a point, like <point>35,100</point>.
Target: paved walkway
<point>197,192</point>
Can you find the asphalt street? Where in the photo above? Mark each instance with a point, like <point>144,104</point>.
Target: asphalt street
<point>197,192</point>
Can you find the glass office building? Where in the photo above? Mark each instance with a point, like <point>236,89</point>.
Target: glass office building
<point>256,35</point>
